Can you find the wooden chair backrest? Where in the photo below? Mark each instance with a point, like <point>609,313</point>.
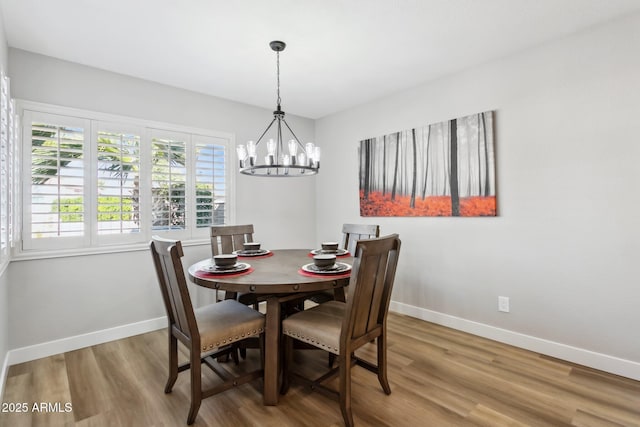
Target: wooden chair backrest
<point>166,257</point>
<point>228,238</point>
<point>351,233</point>
<point>372,277</point>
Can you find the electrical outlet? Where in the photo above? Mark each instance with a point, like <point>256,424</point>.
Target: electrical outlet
<point>503,304</point>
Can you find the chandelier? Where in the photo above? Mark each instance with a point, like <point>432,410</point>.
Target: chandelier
<point>294,159</point>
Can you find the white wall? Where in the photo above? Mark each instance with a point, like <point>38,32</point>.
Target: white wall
<point>565,245</point>
<point>4,289</point>
<point>64,297</point>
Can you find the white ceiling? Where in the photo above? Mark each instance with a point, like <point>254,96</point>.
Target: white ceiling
<point>340,53</point>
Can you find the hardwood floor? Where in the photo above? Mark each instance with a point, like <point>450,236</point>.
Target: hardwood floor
<point>439,377</point>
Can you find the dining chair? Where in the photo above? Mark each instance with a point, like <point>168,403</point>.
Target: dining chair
<point>208,332</point>
<point>226,239</point>
<point>351,233</point>
<point>342,327</point>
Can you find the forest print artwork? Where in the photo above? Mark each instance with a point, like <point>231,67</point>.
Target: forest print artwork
<point>443,169</point>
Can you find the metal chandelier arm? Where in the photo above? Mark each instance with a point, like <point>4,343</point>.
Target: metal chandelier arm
<point>294,135</point>
<point>267,130</point>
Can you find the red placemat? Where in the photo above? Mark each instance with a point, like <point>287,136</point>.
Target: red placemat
<point>206,275</point>
<point>310,255</point>
<point>256,256</point>
<point>329,276</point>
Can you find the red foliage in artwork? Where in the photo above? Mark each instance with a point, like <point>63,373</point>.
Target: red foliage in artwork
<point>378,205</point>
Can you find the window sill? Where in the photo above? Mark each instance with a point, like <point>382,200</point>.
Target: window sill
<point>44,254</point>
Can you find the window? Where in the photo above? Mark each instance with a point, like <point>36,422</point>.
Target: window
<point>5,129</point>
<point>210,186</point>
<point>93,180</point>
<point>169,181</point>
<point>8,144</point>
<point>14,176</point>
<point>57,196</point>
<point>118,182</point>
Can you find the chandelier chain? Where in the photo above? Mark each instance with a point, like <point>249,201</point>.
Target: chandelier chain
<point>278,73</point>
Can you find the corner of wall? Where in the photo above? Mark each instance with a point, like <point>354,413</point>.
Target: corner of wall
<point>4,291</point>
<point>4,48</point>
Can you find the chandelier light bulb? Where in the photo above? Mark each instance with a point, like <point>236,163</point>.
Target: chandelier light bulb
<point>251,148</point>
<point>316,156</point>
<point>271,147</point>
<point>309,148</point>
<point>302,159</point>
<point>242,154</point>
<point>293,150</point>
<point>251,152</point>
<point>293,147</point>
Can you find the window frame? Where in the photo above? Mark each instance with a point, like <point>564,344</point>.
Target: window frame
<point>101,125</point>
<point>8,140</point>
<point>180,234</point>
<point>92,242</point>
<point>66,242</point>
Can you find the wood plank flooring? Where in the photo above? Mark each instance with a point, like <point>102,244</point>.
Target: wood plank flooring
<point>439,377</point>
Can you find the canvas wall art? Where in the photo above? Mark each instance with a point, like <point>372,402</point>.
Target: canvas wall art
<point>443,169</point>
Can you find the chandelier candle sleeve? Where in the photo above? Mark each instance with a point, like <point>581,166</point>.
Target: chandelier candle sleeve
<point>299,160</point>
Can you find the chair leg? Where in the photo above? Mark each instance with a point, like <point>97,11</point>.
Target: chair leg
<point>173,363</point>
<point>196,387</point>
<point>345,389</point>
<point>287,360</point>
<point>332,358</point>
<point>382,363</point>
<point>261,346</point>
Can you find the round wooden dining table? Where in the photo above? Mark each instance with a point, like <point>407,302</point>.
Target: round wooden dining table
<point>279,278</point>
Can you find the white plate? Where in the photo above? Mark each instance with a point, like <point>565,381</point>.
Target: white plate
<point>339,267</point>
<point>338,252</point>
<point>259,252</point>
<point>237,268</point>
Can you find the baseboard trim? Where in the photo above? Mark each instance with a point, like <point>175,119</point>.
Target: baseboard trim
<point>26,354</point>
<point>603,362</point>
